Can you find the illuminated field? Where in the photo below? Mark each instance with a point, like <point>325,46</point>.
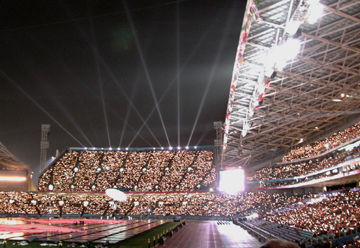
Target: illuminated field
<point>73,230</point>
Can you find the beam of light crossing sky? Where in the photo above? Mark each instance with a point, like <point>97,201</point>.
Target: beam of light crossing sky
<point>209,82</point>
<point>116,114</point>
<point>58,103</point>
<point>99,78</point>
<point>145,68</point>
<point>65,111</point>
<point>103,100</point>
<point>71,119</point>
<point>39,106</point>
<point>99,59</point>
<point>181,69</point>
<point>178,68</point>
<point>127,124</point>
<point>129,100</point>
<point>128,114</point>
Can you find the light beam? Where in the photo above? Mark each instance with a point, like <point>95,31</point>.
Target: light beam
<point>218,54</point>
<point>145,69</point>
<point>39,106</point>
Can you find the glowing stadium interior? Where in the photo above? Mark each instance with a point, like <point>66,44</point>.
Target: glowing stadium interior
<point>295,83</point>
<point>316,93</point>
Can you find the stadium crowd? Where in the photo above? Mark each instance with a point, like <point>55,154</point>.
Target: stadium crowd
<point>339,170</point>
<point>305,168</point>
<point>96,171</point>
<point>200,204</point>
<point>162,177</point>
<point>335,213</point>
<point>325,145</point>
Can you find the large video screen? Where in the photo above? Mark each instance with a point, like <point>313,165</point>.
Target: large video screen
<point>232,181</point>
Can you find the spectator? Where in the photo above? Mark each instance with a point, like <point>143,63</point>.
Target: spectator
<point>96,171</point>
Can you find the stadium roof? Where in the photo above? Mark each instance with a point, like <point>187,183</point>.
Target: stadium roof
<point>281,96</point>
<point>9,161</point>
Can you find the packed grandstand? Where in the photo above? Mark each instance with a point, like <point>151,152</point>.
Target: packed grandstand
<point>169,183</point>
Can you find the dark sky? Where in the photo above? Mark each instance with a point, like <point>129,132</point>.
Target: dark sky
<point>95,70</point>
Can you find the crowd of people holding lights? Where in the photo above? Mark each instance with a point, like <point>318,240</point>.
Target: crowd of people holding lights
<point>164,183</point>
<point>324,145</point>
<point>333,213</point>
<point>298,170</point>
<point>140,171</point>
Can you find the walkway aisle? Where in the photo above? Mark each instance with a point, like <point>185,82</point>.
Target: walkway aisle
<point>234,236</point>
<point>207,234</point>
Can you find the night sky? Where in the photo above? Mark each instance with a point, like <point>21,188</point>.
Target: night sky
<point>96,70</point>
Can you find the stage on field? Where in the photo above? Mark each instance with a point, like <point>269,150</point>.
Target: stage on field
<point>73,230</point>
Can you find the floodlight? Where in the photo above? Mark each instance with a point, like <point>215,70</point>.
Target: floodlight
<point>289,49</point>
<point>292,27</point>
<point>314,12</point>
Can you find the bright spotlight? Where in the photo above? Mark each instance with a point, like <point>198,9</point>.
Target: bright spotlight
<point>292,27</point>
<point>187,147</point>
<point>232,181</point>
<point>289,49</point>
<point>279,55</point>
<point>178,147</point>
<point>170,148</point>
<point>314,12</point>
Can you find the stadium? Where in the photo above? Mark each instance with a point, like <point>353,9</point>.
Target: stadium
<point>284,163</point>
